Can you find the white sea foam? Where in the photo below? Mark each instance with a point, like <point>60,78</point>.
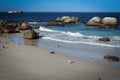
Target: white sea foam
<point>115,37</point>
<point>32,22</point>
<point>77,34</point>
<point>46,29</point>
<point>91,43</point>
<point>71,36</point>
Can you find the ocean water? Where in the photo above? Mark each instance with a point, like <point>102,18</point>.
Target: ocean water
<point>77,40</point>
<point>82,34</point>
<point>79,33</point>
<point>46,16</point>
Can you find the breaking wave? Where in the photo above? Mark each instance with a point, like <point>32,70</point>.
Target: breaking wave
<point>71,37</point>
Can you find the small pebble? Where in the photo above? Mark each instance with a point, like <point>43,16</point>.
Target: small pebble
<point>52,52</point>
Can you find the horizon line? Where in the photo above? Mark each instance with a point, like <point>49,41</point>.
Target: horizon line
<point>63,12</point>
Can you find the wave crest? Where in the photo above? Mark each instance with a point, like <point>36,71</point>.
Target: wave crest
<point>67,36</point>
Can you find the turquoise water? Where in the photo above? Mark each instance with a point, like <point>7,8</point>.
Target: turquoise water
<point>89,30</point>
<point>82,34</point>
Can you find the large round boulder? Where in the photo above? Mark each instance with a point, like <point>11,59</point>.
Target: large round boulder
<point>109,21</point>
<point>111,58</point>
<point>95,21</point>
<point>24,26</point>
<point>105,39</point>
<point>30,34</point>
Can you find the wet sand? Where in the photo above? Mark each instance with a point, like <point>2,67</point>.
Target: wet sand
<point>21,62</point>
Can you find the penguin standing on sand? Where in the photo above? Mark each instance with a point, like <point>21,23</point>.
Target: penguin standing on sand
<point>3,46</point>
<point>58,45</point>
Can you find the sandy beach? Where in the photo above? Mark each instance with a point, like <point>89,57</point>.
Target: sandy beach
<point>21,62</point>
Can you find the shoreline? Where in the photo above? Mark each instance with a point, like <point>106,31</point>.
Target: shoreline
<point>83,51</point>
<point>22,62</point>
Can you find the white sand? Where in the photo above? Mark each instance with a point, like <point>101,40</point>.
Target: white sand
<point>18,62</point>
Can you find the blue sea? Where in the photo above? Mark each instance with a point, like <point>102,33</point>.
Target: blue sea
<point>78,33</point>
<point>77,40</point>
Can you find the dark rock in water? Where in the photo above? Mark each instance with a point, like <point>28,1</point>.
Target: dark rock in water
<point>105,39</point>
<point>51,23</point>
<point>30,34</point>
<point>35,26</point>
<point>24,26</point>
<point>111,58</point>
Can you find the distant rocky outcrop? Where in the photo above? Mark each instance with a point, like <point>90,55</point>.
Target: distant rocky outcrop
<point>24,26</point>
<point>68,19</point>
<point>105,39</point>
<point>111,58</point>
<point>61,21</point>
<point>107,21</point>
<point>95,21</point>
<point>30,34</point>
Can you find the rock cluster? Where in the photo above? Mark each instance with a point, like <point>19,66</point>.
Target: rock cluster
<point>8,27</point>
<point>105,39</point>
<point>12,27</point>
<point>68,19</point>
<point>61,21</point>
<point>107,21</point>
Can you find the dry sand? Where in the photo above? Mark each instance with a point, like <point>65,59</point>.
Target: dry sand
<point>20,62</point>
